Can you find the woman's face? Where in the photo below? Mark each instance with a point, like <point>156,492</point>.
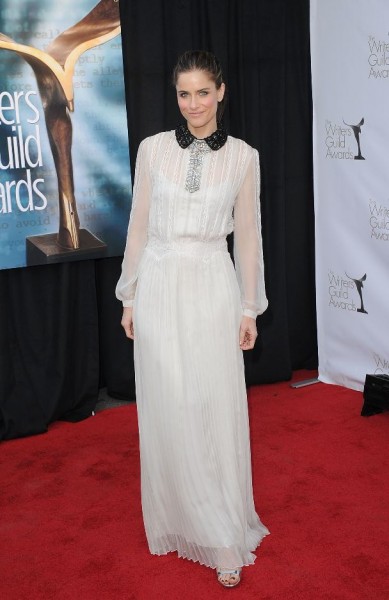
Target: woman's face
<point>197,100</point>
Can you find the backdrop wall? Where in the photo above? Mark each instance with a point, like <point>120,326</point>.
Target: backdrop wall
<point>60,335</point>
<point>64,167</point>
<point>350,73</point>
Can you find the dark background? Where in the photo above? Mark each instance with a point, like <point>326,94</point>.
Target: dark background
<point>60,334</point>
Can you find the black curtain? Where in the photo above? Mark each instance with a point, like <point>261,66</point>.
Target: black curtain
<point>264,48</point>
<point>60,335</point>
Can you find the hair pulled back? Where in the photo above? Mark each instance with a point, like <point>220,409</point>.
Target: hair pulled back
<point>201,60</point>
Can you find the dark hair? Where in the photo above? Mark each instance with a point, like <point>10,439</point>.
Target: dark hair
<point>201,60</point>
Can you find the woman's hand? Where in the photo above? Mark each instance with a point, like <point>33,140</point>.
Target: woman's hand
<point>127,322</point>
<point>248,333</point>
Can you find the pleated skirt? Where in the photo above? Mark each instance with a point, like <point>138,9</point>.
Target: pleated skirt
<point>196,484</point>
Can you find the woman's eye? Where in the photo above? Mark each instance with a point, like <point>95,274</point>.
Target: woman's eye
<point>183,94</point>
<point>203,93</point>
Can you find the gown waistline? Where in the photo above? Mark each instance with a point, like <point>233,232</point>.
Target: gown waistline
<point>200,248</point>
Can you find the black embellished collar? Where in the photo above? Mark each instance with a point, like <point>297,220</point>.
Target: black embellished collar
<point>215,141</point>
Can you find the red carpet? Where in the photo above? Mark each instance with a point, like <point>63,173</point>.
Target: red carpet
<point>71,524</point>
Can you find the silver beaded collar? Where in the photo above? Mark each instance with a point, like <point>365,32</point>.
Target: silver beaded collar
<point>198,149</point>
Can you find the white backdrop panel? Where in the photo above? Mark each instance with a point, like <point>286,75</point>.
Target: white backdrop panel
<point>350,80</point>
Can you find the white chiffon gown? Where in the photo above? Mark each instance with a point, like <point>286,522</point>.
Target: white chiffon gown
<point>188,300</point>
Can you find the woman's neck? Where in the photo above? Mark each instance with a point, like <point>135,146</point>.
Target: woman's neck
<point>202,132</point>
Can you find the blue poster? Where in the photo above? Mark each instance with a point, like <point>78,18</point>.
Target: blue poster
<point>65,183</point>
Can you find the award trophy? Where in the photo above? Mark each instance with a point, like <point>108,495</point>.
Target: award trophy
<point>357,132</point>
<point>54,70</point>
<point>359,286</point>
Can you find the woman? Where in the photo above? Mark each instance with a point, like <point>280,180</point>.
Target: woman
<point>191,315</point>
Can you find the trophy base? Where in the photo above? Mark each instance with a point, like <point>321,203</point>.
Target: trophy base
<point>359,157</point>
<point>44,249</point>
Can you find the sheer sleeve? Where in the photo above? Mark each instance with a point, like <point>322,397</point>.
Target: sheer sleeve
<point>137,228</point>
<point>248,254</point>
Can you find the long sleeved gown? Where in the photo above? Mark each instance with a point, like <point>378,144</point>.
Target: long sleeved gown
<point>188,300</point>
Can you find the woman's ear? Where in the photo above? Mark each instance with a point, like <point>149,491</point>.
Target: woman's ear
<point>220,92</point>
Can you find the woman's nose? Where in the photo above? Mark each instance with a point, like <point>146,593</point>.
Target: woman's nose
<point>193,101</point>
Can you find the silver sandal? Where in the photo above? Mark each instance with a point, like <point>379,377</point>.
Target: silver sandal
<point>232,572</point>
